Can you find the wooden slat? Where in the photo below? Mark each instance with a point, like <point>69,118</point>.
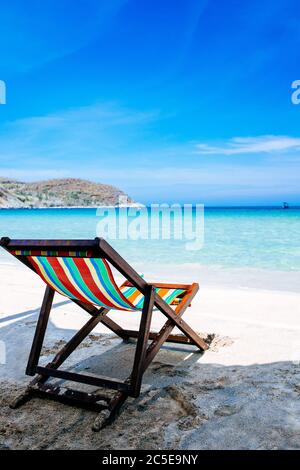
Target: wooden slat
<point>14,244</point>
<point>164,285</point>
<point>100,381</point>
<point>180,339</point>
<point>69,396</point>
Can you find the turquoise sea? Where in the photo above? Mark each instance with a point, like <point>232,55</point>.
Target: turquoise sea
<point>265,238</point>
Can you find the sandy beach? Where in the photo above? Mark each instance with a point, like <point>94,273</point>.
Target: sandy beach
<point>243,393</point>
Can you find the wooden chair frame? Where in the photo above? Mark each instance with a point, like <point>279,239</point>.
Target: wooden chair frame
<point>144,353</point>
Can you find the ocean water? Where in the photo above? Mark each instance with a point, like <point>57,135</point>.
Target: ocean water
<point>265,238</point>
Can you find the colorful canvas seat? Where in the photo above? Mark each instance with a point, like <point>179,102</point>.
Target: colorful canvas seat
<point>136,298</point>
<point>78,275</point>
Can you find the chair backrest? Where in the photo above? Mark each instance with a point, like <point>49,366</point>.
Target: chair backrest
<point>77,273</point>
<point>79,269</point>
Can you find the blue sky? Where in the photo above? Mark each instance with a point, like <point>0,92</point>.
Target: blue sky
<point>172,101</point>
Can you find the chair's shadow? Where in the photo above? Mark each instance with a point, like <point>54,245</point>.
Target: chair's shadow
<point>29,313</point>
<point>112,357</point>
<point>99,354</point>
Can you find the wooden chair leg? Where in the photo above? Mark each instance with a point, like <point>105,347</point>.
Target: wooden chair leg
<point>40,331</point>
<point>162,336</point>
<point>175,320</point>
<point>141,347</point>
<point>108,415</point>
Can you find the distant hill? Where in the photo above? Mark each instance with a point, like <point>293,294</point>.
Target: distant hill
<point>68,192</point>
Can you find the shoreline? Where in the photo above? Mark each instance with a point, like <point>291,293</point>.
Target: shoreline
<point>136,204</point>
<point>71,207</point>
<point>251,278</point>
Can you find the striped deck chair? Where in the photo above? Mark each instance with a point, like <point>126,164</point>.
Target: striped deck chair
<point>80,270</point>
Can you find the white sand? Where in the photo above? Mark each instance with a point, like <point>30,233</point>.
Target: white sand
<point>243,393</point>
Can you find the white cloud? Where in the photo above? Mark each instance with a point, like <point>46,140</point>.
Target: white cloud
<point>248,145</point>
<point>111,144</point>
<point>96,133</point>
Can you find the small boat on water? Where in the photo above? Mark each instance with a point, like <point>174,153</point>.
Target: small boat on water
<point>285,205</point>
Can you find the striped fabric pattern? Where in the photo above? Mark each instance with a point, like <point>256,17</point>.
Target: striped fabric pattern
<point>89,280</point>
<point>77,275</point>
<point>72,254</point>
<point>137,299</point>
